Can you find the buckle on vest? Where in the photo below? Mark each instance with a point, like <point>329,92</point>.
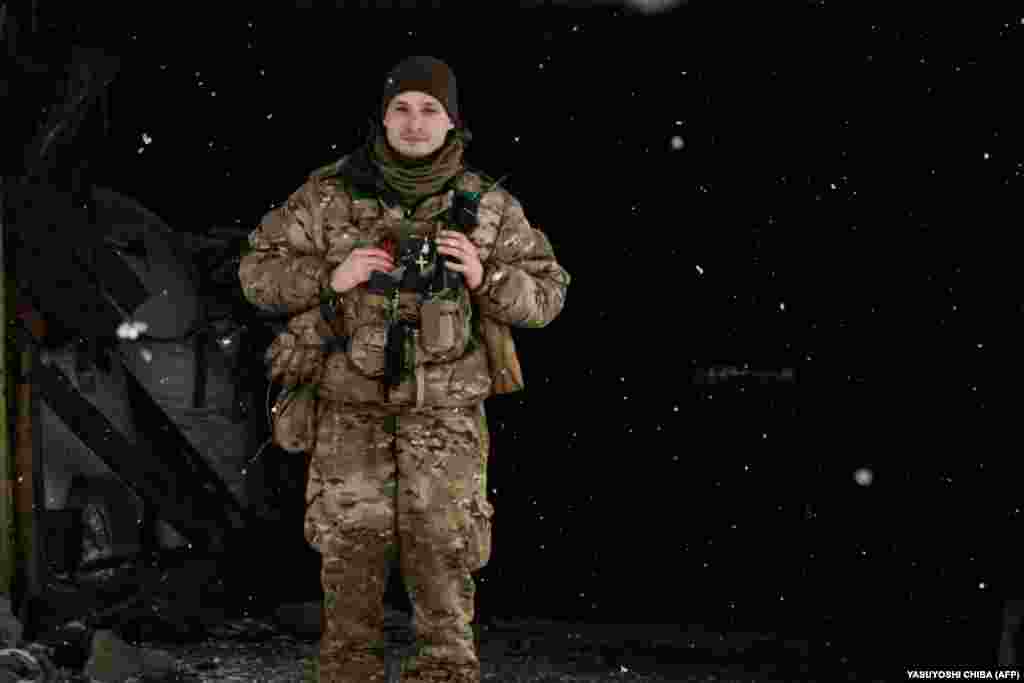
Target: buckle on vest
<point>336,343</point>
<point>327,312</point>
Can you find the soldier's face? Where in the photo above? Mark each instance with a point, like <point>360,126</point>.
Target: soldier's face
<point>416,124</point>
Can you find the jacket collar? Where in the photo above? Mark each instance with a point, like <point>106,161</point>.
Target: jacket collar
<point>367,186</point>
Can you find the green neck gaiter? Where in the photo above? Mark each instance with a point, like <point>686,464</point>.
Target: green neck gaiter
<point>414,179</point>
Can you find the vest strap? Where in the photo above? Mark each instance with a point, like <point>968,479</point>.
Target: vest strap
<point>421,381</point>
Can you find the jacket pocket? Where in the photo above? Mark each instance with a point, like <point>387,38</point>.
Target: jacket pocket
<point>461,382</point>
<point>470,378</point>
<point>343,382</point>
<point>295,419</point>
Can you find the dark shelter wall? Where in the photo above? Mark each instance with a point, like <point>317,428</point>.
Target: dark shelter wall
<point>63,136</point>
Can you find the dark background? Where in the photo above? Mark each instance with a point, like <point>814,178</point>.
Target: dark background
<point>840,206</point>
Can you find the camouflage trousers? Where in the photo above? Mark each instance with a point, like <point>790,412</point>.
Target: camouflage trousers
<point>405,484</point>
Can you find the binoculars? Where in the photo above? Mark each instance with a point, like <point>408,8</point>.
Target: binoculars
<point>419,268</point>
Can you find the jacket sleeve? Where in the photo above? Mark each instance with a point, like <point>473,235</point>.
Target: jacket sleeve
<point>285,269</point>
<point>523,284</point>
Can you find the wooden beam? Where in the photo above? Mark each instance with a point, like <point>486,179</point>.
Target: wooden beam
<point>24,488</point>
<point>7,549</point>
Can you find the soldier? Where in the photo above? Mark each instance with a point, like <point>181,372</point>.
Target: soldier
<point>401,270</point>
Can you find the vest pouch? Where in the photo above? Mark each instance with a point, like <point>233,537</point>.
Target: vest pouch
<point>292,362</point>
<point>367,349</point>
<point>295,419</point>
<point>437,326</point>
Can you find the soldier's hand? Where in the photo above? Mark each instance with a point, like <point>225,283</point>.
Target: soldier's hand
<point>458,246</point>
<point>358,266</point>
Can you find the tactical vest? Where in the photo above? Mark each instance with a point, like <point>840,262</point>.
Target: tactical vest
<point>419,314</point>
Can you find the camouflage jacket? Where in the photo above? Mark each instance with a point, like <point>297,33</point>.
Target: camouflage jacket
<point>298,245</point>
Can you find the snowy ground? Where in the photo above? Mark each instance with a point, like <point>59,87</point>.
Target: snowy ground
<point>258,650</point>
